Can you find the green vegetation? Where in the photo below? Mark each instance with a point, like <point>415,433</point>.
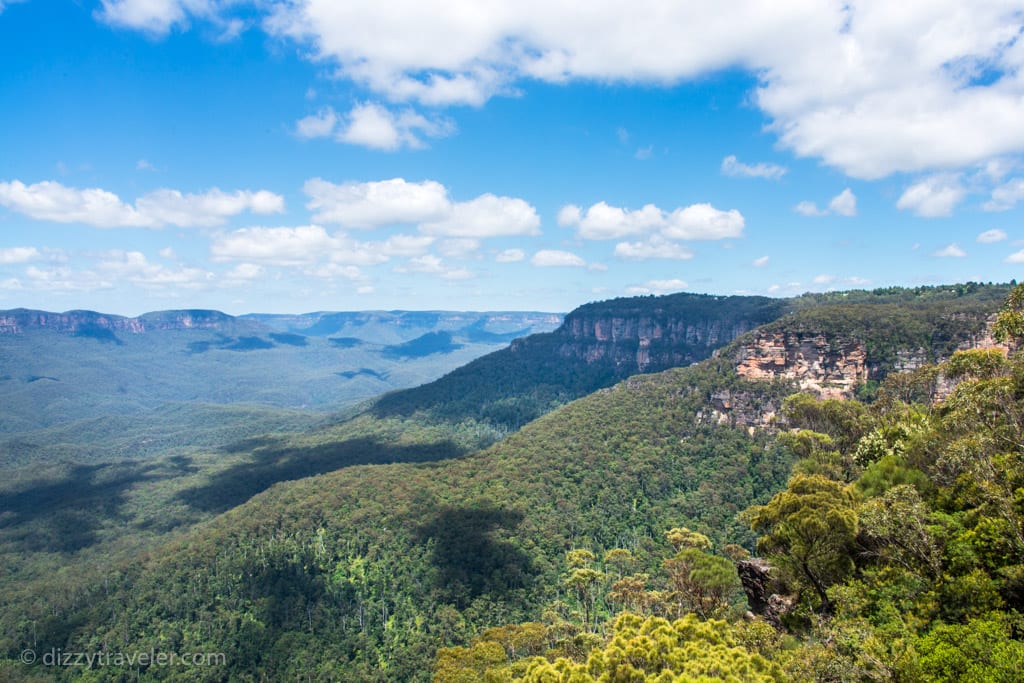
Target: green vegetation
<point>506,389</point>
<point>595,543</point>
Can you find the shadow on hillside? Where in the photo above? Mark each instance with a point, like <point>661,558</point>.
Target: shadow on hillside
<point>64,515</point>
<point>469,560</point>
<point>271,462</point>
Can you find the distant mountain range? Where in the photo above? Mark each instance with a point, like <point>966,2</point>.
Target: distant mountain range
<point>59,369</point>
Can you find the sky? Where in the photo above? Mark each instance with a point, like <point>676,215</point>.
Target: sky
<point>260,156</point>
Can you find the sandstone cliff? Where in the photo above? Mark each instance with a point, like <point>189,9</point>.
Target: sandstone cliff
<point>648,335</point>
<point>21,320</point>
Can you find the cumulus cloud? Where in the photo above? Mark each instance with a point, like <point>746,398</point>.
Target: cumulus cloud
<point>377,127</point>
<point>11,255</point>
<point>159,17</point>
<point>309,245</point>
<point>460,247</point>
<point>433,265</point>
<point>695,222</point>
<point>933,197</point>
<point>556,258</point>
<point>150,16</point>
<point>808,208</point>
<point>63,279</point>
<point>731,166</point>
<point>654,248</point>
<point>1016,257</point>
<point>843,204</point>
<point>319,125</point>
<point>510,256</point>
<point>487,216</point>
<point>1005,196</point>
<point>950,251</point>
<point>134,267</point>
<point>703,222</point>
<point>991,236</point>
<point>243,273</point>
<point>274,246</point>
<point>377,203</point>
<point>603,222</point>
<point>426,204</point>
<point>52,201</point>
<point>658,287</point>
<point>868,88</point>
<point>842,82</point>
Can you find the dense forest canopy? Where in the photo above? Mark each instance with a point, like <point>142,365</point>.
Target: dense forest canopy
<point>605,540</point>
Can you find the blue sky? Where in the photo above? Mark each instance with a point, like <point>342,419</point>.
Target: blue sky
<point>316,155</point>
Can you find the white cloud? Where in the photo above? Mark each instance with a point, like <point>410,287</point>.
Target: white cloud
<point>63,279</point>
<point>824,279</point>
<point>510,256</point>
<point>373,125</point>
<point>694,222</point>
<point>704,222</point>
<point>654,248</point>
<point>603,222</point>
<point>556,258</point>
<point>844,203</point>
<point>159,17</point>
<point>991,236</point>
<point>406,245</point>
<point>432,265</point>
<point>731,166</point>
<point>143,165</point>
<point>332,271</point>
<point>52,201</point>
<point>319,125</point>
<point>171,207</point>
<point>1016,257</point>
<point>869,87</point>
<point>150,16</point>
<point>11,255</point>
<point>244,273</point>
<point>378,203</point>
<point>644,153</point>
<point>311,245</point>
<point>950,251</point>
<point>658,287</point>
<point>760,262</point>
<point>807,208</point>
<point>427,204</point>
<point>274,246</point>
<point>133,267</point>
<point>1005,196</point>
<point>932,197</point>
<point>487,216</point>
<point>167,253</point>
<point>461,247</point>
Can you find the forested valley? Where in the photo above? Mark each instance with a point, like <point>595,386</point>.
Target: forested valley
<point>714,521</point>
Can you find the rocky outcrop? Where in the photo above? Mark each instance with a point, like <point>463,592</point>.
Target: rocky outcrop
<point>759,585</point>
<point>831,368</point>
<point>646,335</point>
<point>739,409</point>
<point>833,364</point>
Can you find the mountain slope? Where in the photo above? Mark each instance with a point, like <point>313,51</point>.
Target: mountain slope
<point>360,573</point>
<point>597,345</point>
